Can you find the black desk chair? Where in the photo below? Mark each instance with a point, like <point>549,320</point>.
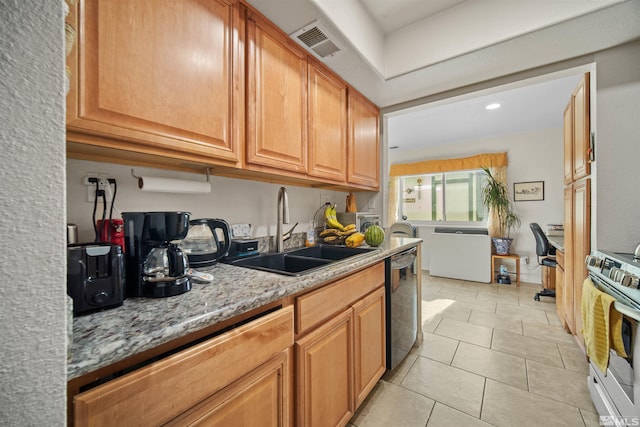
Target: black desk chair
<point>543,249</point>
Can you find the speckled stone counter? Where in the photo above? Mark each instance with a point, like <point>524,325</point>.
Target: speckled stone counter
<point>557,242</point>
<point>140,324</point>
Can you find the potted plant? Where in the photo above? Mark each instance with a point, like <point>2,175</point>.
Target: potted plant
<point>496,197</point>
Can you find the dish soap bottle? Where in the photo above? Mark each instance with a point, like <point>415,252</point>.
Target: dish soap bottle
<point>311,236</point>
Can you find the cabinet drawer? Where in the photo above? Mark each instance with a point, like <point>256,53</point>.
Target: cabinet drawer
<point>314,307</point>
<point>560,259</point>
<point>159,392</point>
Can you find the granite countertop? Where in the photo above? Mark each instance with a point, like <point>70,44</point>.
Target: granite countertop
<point>103,338</point>
<point>557,242</point>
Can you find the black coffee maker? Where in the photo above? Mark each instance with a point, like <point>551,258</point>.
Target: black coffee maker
<point>155,263</point>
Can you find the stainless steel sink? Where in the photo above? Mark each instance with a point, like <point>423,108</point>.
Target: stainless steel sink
<point>299,261</point>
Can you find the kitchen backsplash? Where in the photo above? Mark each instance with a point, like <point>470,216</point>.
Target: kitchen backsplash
<point>234,200</point>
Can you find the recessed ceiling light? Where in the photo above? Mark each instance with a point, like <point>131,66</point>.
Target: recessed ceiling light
<point>493,106</point>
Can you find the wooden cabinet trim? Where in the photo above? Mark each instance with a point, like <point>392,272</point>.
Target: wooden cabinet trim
<point>142,395</point>
<point>316,306</point>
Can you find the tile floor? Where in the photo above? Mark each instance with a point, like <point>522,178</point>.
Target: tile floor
<point>491,356</point>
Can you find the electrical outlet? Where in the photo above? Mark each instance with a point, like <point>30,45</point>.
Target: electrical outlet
<point>89,182</point>
<point>525,259</point>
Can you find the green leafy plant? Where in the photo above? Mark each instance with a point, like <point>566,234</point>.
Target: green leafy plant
<point>496,197</point>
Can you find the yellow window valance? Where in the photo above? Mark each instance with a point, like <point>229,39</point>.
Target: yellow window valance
<point>447,165</point>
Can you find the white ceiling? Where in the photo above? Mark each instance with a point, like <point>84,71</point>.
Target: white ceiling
<point>397,51</point>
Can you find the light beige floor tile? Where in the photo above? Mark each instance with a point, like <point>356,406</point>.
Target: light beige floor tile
<point>467,332</point>
<point>390,405</point>
<point>454,387</point>
<point>505,405</point>
<point>500,297</point>
<point>503,322</point>
<point>553,319</point>
<point>591,419</point>
<point>444,416</point>
<point>547,332</point>
<point>397,375</point>
<point>430,323</point>
<point>451,309</point>
<point>531,348</point>
<point>438,348</point>
<point>559,384</point>
<point>493,364</point>
<point>573,358</point>
<point>486,306</point>
<point>545,303</point>
<point>525,313</point>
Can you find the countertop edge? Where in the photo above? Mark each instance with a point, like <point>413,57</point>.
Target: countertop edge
<point>142,324</point>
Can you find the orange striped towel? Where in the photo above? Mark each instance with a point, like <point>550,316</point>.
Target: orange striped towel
<point>601,325</point>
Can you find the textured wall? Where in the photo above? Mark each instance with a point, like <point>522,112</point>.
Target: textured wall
<point>32,202</point>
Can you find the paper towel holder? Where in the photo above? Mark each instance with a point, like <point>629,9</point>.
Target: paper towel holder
<point>170,185</point>
<point>133,174</point>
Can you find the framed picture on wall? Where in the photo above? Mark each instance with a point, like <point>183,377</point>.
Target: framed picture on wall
<point>528,191</point>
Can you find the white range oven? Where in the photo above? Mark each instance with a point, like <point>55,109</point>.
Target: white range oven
<point>616,395</point>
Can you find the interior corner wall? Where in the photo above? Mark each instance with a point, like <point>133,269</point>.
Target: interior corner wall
<point>33,371</point>
<point>533,156</point>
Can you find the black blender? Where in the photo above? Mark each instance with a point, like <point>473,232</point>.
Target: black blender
<point>155,263</point>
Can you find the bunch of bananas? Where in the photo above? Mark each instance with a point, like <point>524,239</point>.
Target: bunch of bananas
<point>335,233</point>
<point>330,218</point>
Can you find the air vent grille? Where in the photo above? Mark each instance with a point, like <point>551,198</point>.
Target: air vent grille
<point>317,40</point>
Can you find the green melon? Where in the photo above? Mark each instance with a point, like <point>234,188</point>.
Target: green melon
<point>374,236</point>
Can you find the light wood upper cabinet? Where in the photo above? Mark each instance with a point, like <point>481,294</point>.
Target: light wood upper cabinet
<point>159,77</point>
<point>364,144</point>
<point>276,99</point>
<point>568,142</point>
<point>581,129</point>
<point>327,124</point>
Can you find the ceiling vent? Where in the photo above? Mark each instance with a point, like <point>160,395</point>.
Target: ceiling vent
<point>316,39</point>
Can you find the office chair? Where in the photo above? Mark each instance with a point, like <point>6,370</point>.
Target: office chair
<point>543,249</point>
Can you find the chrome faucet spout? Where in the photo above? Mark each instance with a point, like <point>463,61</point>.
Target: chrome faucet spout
<point>283,217</point>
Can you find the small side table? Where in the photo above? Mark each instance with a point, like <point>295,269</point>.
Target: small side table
<point>514,257</point>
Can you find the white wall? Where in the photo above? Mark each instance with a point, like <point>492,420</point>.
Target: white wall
<point>235,200</point>
<point>533,156</point>
<point>615,206</point>
<point>33,292</point>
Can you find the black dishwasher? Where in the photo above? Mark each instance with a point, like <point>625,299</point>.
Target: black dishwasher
<point>401,286</point>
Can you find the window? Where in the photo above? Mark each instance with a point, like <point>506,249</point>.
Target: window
<point>448,196</point>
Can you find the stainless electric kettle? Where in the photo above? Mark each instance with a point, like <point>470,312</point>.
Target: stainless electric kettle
<point>202,244</point>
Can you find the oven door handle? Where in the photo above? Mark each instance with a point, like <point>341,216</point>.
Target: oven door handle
<point>627,311</point>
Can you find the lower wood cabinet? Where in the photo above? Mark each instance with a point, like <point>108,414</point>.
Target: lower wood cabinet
<point>560,288</point>
<point>240,378</point>
<point>340,353</point>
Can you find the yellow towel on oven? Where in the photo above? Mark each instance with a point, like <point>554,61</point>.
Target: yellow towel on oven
<point>601,325</point>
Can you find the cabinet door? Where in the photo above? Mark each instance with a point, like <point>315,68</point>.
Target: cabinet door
<point>262,398</point>
<point>568,142</point>
<point>324,381</point>
<point>581,245</point>
<point>159,392</point>
<point>370,350</point>
<point>277,99</point>
<point>568,258</point>
<point>327,124</point>
<point>363,139</point>
<point>581,129</point>
<point>560,292</point>
<point>164,76</point>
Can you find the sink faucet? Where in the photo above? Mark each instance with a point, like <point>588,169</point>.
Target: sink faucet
<point>283,217</point>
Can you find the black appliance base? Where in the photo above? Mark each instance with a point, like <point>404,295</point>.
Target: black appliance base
<point>167,289</point>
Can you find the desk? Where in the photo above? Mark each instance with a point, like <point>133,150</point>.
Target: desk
<point>514,257</point>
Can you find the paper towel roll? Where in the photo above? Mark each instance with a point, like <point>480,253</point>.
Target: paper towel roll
<point>168,185</point>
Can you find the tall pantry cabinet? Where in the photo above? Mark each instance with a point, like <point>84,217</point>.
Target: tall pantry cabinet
<point>577,180</point>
